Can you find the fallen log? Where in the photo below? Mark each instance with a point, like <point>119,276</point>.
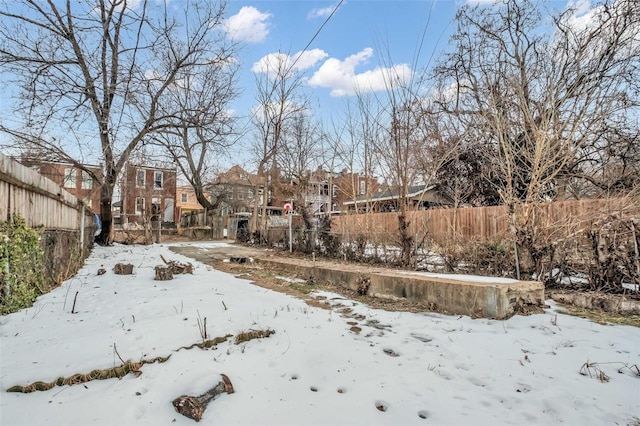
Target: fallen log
<point>194,406</point>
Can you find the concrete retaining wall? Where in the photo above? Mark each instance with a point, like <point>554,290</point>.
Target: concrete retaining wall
<point>477,299</point>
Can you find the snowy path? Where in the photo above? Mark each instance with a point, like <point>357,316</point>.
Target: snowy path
<point>317,369</point>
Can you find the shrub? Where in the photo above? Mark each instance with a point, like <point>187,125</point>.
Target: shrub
<point>21,276</point>
<point>492,257</point>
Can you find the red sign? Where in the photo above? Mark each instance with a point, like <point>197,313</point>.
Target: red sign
<point>287,208</point>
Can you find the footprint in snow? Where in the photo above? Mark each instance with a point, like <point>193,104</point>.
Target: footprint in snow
<point>477,381</point>
<point>390,352</point>
<point>423,414</point>
<point>382,406</point>
<point>421,337</point>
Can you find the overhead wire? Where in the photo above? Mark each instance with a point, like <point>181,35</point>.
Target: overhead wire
<point>326,21</point>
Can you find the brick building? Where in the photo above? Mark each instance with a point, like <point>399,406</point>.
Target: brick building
<point>235,188</point>
<point>148,191</point>
<point>72,179</point>
<point>348,186</point>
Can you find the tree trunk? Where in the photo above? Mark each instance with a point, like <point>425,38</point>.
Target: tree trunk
<point>106,194</point>
<point>406,240</point>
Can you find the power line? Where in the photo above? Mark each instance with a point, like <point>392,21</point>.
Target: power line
<point>335,9</point>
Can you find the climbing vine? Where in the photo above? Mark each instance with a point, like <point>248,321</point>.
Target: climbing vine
<point>21,277</point>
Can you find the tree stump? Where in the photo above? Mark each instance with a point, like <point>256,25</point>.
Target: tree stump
<point>123,269</point>
<point>163,273</point>
<point>194,406</point>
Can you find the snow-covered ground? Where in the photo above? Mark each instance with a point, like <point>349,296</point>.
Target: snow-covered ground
<point>315,370</point>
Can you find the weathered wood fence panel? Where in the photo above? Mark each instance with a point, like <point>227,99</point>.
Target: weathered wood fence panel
<point>40,201</point>
<point>482,223</point>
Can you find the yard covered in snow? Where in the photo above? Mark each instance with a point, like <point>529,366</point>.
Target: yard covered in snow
<point>347,365</point>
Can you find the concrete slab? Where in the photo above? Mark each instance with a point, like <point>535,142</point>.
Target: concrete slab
<point>485,297</point>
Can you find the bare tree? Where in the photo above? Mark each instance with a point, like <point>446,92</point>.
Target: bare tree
<point>402,133</point>
<point>98,72</point>
<point>278,101</point>
<point>357,149</point>
<point>203,125</point>
<point>299,155</point>
<point>538,101</point>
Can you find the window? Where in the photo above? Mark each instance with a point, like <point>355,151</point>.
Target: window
<point>184,197</point>
<point>240,195</point>
<point>87,182</point>
<point>140,178</point>
<point>334,191</point>
<point>250,193</point>
<point>157,180</point>
<point>139,205</point>
<point>363,187</point>
<point>69,178</point>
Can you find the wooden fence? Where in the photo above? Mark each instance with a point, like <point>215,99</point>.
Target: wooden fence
<point>481,223</point>
<point>69,225</point>
<point>39,200</point>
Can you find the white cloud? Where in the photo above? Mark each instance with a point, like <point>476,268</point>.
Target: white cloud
<point>321,13</point>
<point>248,25</point>
<point>341,78</point>
<point>582,14</point>
<point>301,61</point>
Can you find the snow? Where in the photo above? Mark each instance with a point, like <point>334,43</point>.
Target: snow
<point>291,280</point>
<point>425,368</point>
<point>464,277</point>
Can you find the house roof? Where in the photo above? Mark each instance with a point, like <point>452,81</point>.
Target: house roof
<point>416,191</point>
<point>235,175</point>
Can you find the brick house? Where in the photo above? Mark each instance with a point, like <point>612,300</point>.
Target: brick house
<point>236,187</point>
<point>348,186</point>
<point>72,179</point>
<point>147,191</point>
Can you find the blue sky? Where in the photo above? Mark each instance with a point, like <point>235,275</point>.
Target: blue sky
<point>362,37</point>
<point>356,44</point>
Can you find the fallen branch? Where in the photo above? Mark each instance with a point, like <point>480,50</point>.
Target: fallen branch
<point>253,334</point>
<point>134,367</point>
<point>178,267</point>
<point>207,344</point>
<point>110,373</point>
<point>194,406</point>
<point>73,309</point>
